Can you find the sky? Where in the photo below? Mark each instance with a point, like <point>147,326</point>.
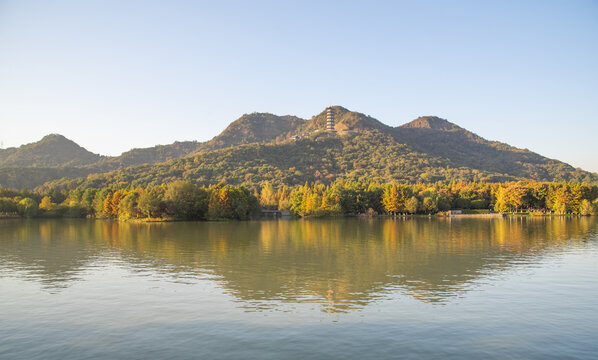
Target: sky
<point>116,75</point>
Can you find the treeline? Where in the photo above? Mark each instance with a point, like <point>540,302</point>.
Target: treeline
<point>178,200</point>
<point>374,198</point>
<point>186,201</point>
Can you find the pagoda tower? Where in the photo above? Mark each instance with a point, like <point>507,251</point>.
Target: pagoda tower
<point>330,119</point>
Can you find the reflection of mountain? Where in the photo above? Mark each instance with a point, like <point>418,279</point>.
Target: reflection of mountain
<point>341,264</point>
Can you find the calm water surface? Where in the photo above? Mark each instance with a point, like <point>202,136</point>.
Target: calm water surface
<point>318,289</point>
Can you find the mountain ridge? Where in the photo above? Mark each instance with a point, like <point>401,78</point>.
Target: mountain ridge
<point>51,150</point>
<point>427,137</point>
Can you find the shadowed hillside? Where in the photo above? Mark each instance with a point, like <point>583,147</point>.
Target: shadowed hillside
<point>156,154</point>
<point>52,150</point>
<point>439,137</point>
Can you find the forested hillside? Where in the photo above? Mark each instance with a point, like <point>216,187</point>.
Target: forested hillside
<point>367,156</point>
<point>439,137</point>
<point>53,150</point>
<point>254,128</point>
<point>287,150</point>
<point>156,154</point>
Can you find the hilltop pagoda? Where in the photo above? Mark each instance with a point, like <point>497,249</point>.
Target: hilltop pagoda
<point>330,119</point>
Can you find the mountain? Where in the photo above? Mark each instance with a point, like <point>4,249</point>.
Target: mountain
<point>439,137</point>
<point>51,151</point>
<point>432,123</point>
<point>287,150</point>
<point>254,128</point>
<point>369,155</point>
<point>344,120</point>
<point>322,158</point>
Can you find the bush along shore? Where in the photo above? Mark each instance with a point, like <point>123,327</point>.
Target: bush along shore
<point>183,200</point>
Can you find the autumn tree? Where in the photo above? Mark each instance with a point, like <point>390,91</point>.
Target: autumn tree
<point>391,199</point>
<point>268,197</point>
<point>586,208</point>
<point>412,205</point>
<point>46,204</point>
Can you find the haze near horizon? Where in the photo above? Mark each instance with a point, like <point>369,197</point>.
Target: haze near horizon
<point>119,75</point>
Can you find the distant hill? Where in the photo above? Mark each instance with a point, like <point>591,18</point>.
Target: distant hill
<point>288,150</point>
<point>151,155</point>
<point>55,156</point>
<point>438,137</point>
<point>254,128</point>
<point>52,150</point>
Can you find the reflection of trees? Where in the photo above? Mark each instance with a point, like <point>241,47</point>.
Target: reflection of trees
<point>341,264</point>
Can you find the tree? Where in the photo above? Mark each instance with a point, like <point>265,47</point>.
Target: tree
<point>100,208</point>
<point>479,204</point>
<point>390,199</point>
<point>443,203</point>
<point>412,205</point>
<point>295,200</point>
<point>27,207</point>
<point>149,202</point>
<point>107,206</point>
<point>429,205</point>
<point>501,204</point>
<point>514,195</point>
<point>46,204</point>
<point>586,208</point>
<point>87,199</point>
<point>268,197</point>
<point>7,206</point>
<point>128,206</point>
<point>230,202</point>
<point>115,202</point>
<point>186,201</point>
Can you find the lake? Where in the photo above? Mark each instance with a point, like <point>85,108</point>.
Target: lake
<point>349,288</point>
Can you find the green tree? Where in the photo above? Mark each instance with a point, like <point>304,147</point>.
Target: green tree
<point>87,199</point>
<point>7,206</point>
<point>443,203</point>
<point>149,202</point>
<point>27,207</point>
<point>127,208</point>
<point>186,201</point>
<point>98,203</point>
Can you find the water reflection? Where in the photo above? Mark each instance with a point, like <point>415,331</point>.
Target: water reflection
<point>340,264</point>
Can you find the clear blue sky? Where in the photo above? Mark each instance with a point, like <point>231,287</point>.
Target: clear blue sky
<point>113,75</point>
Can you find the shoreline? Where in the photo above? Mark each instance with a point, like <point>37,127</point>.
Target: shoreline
<point>360,216</point>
